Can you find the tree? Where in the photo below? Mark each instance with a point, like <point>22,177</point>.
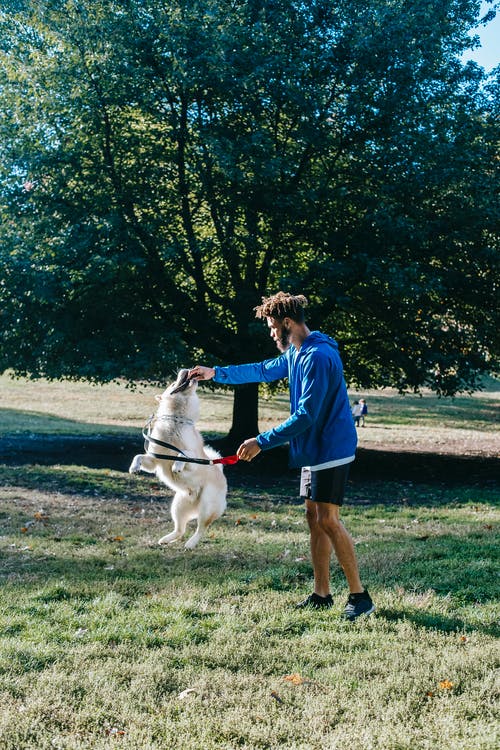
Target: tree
<point>167,164</point>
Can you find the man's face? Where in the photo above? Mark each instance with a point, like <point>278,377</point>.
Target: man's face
<point>280,333</point>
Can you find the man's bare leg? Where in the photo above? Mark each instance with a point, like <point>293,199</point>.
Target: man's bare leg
<point>327,530</point>
<point>321,551</point>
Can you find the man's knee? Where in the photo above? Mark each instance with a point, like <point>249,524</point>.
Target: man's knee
<point>328,517</point>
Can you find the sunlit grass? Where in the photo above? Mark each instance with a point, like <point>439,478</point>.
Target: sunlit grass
<point>106,638</point>
<point>63,408</point>
<point>80,408</point>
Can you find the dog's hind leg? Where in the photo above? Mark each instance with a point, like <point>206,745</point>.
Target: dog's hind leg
<point>209,511</point>
<point>203,524</point>
<point>181,513</point>
<point>212,505</point>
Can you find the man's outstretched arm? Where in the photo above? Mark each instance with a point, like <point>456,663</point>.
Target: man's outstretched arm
<point>201,373</point>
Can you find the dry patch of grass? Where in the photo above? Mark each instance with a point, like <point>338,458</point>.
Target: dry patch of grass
<point>81,408</point>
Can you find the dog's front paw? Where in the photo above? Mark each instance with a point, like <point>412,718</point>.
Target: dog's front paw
<point>178,466</point>
<point>135,466</point>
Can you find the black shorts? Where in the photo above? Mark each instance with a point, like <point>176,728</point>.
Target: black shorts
<point>324,485</point>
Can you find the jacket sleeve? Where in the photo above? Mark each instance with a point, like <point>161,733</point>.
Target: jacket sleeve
<point>258,372</point>
<point>315,375</point>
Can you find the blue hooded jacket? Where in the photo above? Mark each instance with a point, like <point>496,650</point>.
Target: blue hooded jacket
<point>320,428</point>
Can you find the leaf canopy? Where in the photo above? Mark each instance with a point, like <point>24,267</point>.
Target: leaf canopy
<point>164,165</point>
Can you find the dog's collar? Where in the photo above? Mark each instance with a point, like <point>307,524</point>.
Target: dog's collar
<point>174,418</point>
<point>170,418</point>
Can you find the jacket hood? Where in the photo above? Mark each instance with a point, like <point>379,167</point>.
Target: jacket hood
<point>316,337</point>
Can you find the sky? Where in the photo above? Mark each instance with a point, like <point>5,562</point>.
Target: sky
<point>488,55</point>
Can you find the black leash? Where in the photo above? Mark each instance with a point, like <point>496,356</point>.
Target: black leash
<point>182,457</point>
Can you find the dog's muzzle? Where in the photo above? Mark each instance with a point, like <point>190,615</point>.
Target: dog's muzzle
<point>181,383</point>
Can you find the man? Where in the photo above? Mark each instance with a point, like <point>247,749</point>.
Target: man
<point>321,434</point>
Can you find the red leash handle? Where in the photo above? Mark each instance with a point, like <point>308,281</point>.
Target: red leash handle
<point>227,461</point>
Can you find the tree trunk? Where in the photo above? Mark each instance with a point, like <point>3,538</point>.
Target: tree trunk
<point>245,415</point>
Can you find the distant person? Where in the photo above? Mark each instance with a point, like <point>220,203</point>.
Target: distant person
<point>356,412</point>
<point>321,434</point>
<point>364,411</point>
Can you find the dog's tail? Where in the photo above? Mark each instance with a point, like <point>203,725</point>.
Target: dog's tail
<point>210,452</point>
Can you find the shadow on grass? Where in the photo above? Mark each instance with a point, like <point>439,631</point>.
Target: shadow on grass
<point>73,480</point>
<point>118,485</point>
<point>31,425</point>
<point>254,487</point>
<point>115,451</point>
<point>433,621</point>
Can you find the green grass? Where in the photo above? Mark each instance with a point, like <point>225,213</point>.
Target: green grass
<point>107,640</point>
<point>102,631</point>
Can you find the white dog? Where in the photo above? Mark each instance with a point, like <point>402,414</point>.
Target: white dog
<point>200,489</point>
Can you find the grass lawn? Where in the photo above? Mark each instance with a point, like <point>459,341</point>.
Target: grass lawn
<point>467,425</point>
<point>107,640</point>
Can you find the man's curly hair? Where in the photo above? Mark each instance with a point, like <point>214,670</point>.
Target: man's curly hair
<point>282,305</point>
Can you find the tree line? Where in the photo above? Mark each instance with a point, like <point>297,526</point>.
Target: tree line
<point>166,164</point>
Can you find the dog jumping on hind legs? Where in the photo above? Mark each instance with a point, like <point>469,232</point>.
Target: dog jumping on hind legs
<point>200,489</point>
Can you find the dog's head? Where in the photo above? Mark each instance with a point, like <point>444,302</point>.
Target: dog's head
<point>182,383</point>
<point>182,386</point>
<point>180,398</point>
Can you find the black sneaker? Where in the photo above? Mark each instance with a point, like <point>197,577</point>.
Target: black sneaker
<point>314,601</point>
<point>358,604</point>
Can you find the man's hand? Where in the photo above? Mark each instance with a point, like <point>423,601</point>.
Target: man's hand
<point>201,373</point>
<point>248,450</point>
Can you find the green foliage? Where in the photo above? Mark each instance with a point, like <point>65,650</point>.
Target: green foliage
<point>165,164</point>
